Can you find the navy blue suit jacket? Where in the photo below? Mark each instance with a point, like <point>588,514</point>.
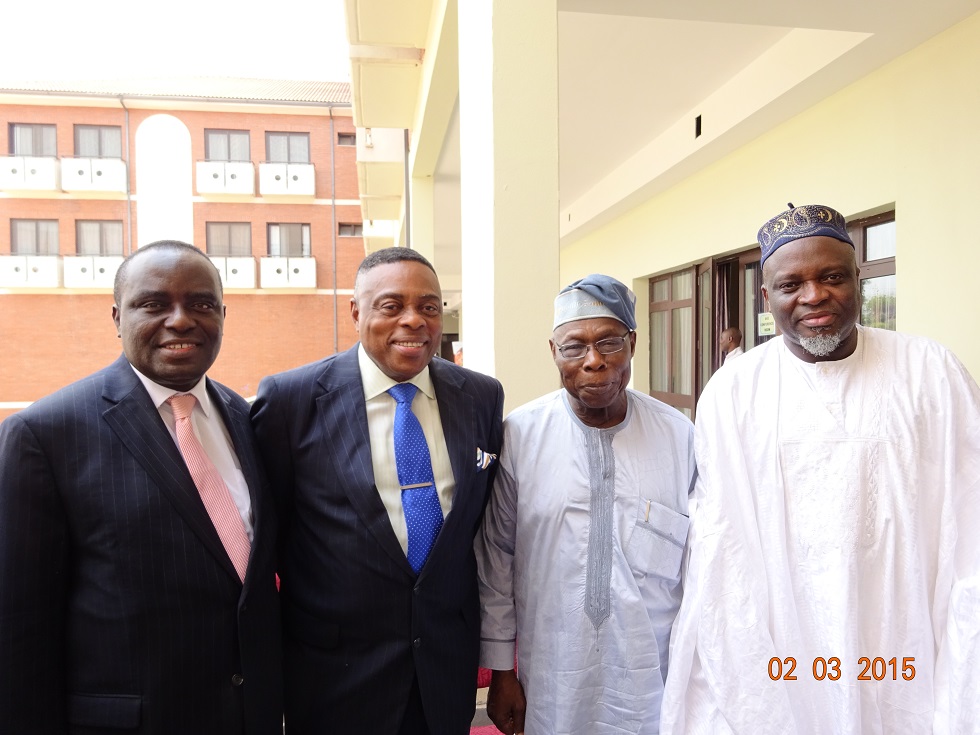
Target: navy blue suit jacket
<point>119,609</point>
<point>359,624</point>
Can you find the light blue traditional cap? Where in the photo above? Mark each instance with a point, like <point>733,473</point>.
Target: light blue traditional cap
<point>808,220</point>
<point>595,297</point>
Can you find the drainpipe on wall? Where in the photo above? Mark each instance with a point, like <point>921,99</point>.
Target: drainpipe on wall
<point>408,196</point>
<point>129,193</point>
<point>333,212</point>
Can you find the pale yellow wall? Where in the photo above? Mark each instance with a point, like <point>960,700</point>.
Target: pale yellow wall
<point>907,134</point>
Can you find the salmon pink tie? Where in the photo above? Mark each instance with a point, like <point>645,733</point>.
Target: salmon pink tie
<point>215,494</point>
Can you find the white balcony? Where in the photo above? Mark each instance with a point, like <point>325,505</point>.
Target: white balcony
<point>225,177</point>
<point>287,272</point>
<point>25,173</point>
<point>240,272</point>
<point>93,174</point>
<point>287,179</point>
<point>235,271</point>
<point>88,271</point>
<point>30,271</point>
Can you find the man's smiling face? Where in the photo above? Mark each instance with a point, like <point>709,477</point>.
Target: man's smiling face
<point>170,316</point>
<point>397,310</point>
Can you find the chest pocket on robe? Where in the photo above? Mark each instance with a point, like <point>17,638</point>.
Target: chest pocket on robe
<point>656,545</point>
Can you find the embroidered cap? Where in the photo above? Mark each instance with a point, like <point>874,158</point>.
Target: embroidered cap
<point>809,220</point>
<point>594,297</point>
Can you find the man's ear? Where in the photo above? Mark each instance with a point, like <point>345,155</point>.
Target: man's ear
<point>355,314</point>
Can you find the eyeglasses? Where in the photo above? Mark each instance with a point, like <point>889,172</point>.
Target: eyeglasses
<point>577,350</point>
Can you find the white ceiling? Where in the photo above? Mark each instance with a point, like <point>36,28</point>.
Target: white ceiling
<point>624,81</point>
<point>631,70</point>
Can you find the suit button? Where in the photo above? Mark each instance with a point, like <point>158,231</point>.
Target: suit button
<point>244,607</point>
<point>417,589</point>
<point>417,642</point>
<point>237,680</point>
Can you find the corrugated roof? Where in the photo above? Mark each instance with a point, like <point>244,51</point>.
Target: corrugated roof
<point>214,88</point>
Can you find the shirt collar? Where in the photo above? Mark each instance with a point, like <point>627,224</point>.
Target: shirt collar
<point>159,394</point>
<point>376,382</point>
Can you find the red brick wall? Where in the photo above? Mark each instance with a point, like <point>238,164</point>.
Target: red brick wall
<point>257,124</point>
<point>350,250</point>
<point>66,211</point>
<point>53,340</point>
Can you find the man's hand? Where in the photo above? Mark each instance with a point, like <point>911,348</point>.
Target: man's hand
<point>505,702</point>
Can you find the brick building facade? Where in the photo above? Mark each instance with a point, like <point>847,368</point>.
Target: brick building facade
<point>261,175</point>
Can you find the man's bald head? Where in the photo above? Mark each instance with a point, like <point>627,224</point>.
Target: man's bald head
<point>730,339</point>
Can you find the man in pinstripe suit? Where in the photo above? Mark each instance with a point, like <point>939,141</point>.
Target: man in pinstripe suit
<point>120,610</point>
<point>372,646</point>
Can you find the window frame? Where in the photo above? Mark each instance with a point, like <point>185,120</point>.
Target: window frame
<point>35,127</point>
<point>79,126</point>
<point>858,229</point>
<point>15,247</point>
<point>103,244</point>
<point>289,135</point>
<point>211,247</point>
<point>356,229</point>
<point>342,137</point>
<point>306,236</point>
<point>227,133</point>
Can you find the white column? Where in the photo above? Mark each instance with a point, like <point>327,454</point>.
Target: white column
<point>508,97</point>
<point>164,190</point>
<point>423,236</point>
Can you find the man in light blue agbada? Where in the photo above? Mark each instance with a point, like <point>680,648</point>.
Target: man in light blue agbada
<point>580,552</point>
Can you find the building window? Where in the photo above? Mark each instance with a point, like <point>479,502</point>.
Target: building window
<point>226,145</point>
<point>346,139</point>
<point>672,339</point>
<point>287,147</point>
<point>33,237</point>
<point>874,246</point>
<point>289,240</point>
<point>98,141</point>
<point>33,140</point>
<point>229,239</point>
<point>350,229</point>
<point>98,237</point>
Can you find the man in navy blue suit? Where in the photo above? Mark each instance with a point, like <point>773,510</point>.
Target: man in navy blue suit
<point>137,587</point>
<point>372,644</point>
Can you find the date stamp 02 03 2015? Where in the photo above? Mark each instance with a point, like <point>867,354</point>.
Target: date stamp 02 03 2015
<point>872,669</point>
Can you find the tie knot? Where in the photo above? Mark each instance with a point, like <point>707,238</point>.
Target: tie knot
<point>182,404</point>
<point>403,393</point>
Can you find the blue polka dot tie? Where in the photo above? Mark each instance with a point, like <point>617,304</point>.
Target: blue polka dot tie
<point>423,514</point>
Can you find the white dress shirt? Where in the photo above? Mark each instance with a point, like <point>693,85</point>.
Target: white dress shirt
<point>211,431</point>
<point>381,428</point>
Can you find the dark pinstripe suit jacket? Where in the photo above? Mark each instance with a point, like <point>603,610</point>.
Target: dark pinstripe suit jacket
<point>358,623</point>
<point>119,609</point>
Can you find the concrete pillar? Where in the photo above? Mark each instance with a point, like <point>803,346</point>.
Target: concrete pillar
<point>422,219</point>
<point>508,97</point>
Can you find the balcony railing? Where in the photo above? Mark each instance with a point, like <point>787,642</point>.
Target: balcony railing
<point>226,177</point>
<point>27,173</point>
<point>287,179</point>
<point>93,174</point>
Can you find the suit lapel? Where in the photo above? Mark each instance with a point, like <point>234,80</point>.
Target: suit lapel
<point>136,422</point>
<point>457,413</point>
<point>342,419</point>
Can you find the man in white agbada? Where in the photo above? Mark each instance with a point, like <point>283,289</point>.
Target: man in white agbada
<point>580,553</point>
<point>834,574</point>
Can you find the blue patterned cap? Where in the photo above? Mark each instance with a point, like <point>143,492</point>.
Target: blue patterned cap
<point>810,220</point>
<point>595,297</point>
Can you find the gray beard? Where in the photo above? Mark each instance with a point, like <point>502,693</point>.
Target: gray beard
<point>821,345</point>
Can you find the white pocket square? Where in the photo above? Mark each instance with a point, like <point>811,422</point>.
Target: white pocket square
<point>484,459</point>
